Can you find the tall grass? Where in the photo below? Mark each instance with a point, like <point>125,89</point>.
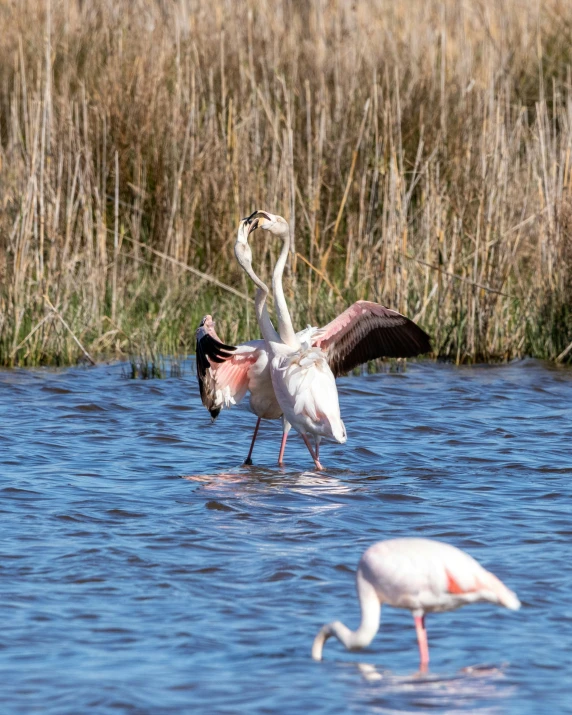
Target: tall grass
<point>420,149</point>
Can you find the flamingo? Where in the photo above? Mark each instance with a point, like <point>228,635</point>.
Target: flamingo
<point>227,372</point>
<point>364,331</point>
<point>422,575</point>
<point>303,382</point>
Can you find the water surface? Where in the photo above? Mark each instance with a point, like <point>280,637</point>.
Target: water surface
<point>144,570</point>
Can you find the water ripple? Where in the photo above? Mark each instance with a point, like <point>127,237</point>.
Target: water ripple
<point>145,570</point>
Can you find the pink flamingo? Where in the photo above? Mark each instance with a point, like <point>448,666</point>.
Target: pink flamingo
<point>422,575</point>
<point>227,372</point>
<point>363,332</point>
<point>304,384</point>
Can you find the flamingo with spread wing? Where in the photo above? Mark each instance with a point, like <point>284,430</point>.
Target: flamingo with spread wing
<point>363,332</point>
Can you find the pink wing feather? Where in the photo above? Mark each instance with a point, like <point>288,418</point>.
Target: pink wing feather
<point>366,331</point>
<point>222,370</point>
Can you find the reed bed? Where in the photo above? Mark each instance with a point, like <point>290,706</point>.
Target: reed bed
<point>420,149</point>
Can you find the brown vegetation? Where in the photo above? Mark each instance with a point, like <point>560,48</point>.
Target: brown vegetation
<point>421,150</point>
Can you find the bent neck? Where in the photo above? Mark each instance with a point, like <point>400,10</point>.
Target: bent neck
<point>244,257</point>
<point>285,327</point>
<point>263,317</point>
<point>264,322</point>
<point>370,615</point>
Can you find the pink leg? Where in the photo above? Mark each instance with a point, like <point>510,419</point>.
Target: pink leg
<point>248,460</point>
<point>422,640</point>
<point>318,448</point>
<point>282,448</point>
<point>314,457</point>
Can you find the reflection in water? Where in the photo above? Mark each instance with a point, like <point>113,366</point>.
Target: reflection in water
<point>303,483</point>
<point>127,589</point>
<point>446,693</point>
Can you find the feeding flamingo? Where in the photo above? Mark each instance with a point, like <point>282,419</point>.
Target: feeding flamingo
<point>363,332</point>
<point>422,575</point>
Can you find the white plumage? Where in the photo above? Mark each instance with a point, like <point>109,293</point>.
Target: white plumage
<point>364,331</point>
<point>306,390</point>
<point>304,384</point>
<point>422,575</point>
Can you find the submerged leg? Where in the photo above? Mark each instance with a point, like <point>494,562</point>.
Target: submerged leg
<point>282,448</point>
<point>248,460</point>
<point>422,640</point>
<point>286,429</point>
<point>314,457</point>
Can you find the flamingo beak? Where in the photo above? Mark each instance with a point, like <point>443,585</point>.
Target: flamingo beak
<point>248,219</point>
<point>252,226</point>
<point>256,220</point>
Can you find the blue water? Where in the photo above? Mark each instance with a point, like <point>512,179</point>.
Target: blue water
<point>144,570</point>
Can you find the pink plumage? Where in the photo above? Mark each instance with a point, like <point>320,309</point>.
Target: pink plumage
<point>364,331</point>
<point>422,575</point>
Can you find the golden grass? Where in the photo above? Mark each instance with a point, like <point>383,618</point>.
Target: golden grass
<point>421,150</point>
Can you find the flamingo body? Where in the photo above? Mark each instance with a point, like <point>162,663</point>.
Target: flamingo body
<point>427,576</point>
<point>421,575</point>
<point>306,390</point>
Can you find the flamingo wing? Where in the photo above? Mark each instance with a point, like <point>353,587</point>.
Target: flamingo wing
<point>222,370</point>
<point>477,583</point>
<point>366,331</point>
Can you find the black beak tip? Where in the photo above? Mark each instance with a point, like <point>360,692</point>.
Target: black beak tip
<point>248,219</point>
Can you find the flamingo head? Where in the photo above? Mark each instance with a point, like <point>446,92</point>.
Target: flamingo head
<point>242,250</point>
<point>269,222</point>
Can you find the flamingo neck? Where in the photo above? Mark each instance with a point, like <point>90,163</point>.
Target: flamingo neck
<point>263,317</point>
<point>285,327</point>
<point>370,614</point>
<point>264,322</point>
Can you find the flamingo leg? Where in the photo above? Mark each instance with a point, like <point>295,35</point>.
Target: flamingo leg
<point>286,427</point>
<point>318,447</point>
<point>314,457</point>
<point>423,644</point>
<point>248,460</point>
<point>282,448</point>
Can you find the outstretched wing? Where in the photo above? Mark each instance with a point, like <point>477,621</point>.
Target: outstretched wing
<point>222,370</point>
<point>366,331</point>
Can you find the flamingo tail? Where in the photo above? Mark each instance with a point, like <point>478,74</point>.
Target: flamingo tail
<point>504,595</point>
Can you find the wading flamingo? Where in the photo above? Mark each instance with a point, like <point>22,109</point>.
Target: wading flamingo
<point>303,382</point>
<point>227,372</point>
<point>363,332</point>
<point>422,575</point>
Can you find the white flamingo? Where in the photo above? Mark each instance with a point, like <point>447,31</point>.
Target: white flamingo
<point>422,575</point>
<point>303,382</point>
<point>363,332</point>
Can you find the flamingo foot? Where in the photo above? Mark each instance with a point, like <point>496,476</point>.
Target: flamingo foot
<point>247,462</point>
<point>319,467</point>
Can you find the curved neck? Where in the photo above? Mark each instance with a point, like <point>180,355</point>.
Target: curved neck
<point>263,317</point>
<point>285,327</point>
<point>363,636</point>
<point>264,322</point>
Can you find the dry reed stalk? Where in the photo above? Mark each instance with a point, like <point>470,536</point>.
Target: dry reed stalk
<point>421,151</point>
